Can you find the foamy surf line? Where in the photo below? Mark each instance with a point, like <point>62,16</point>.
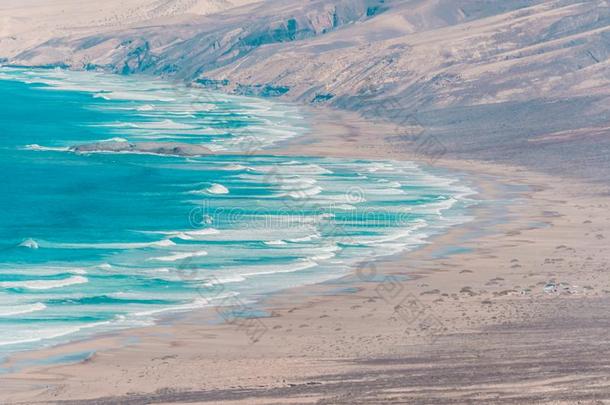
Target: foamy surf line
<point>44,284</point>
<point>171,248</point>
<point>152,234</point>
<point>159,110</point>
<point>21,309</point>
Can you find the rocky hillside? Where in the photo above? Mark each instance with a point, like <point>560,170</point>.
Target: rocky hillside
<point>519,81</point>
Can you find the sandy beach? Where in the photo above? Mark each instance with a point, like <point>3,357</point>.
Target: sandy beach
<point>466,318</point>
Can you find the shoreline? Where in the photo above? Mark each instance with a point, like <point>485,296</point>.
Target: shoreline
<point>29,357</point>
<point>345,331</point>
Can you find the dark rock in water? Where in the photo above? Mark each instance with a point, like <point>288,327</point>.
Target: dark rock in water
<point>157,148</point>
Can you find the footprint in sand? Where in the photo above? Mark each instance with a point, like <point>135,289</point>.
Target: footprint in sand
<point>467,290</point>
<point>435,291</point>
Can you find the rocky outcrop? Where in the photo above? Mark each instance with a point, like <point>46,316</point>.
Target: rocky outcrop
<point>157,148</point>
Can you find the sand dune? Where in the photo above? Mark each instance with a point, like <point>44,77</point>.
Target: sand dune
<point>28,23</point>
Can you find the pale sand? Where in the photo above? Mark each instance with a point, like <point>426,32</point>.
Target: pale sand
<point>29,23</point>
<point>501,338</point>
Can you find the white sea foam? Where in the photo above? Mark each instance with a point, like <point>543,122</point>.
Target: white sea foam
<point>286,268</point>
<point>21,309</point>
<point>345,207</point>
<point>381,167</point>
<point>164,124</point>
<point>186,235</point>
<point>115,139</point>
<point>275,242</point>
<point>195,234</point>
<point>296,182</point>
<point>305,169</point>
<point>133,96</point>
<point>29,243</point>
<point>288,171</point>
<point>36,270</point>
<point>345,200</point>
<point>180,256</point>
<point>109,246</point>
<point>205,231</point>
<point>197,303</point>
<point>202,107</point>
<point>103,96</point>
<point>437,207</point>
<point>383,191</point>
<point>234,167</point>
<point>44,284</point>
<point>322,257</point>
<point>158,137</point>
<point>397,235</point>
<point>37,147</point>
<point>217,189</point>
<point>24,336</point>
<point>217,280</point>
<point>307,238</point>
<point>304,193</point>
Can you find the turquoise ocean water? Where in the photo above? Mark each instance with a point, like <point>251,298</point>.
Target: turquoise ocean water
<point>98,242</point>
